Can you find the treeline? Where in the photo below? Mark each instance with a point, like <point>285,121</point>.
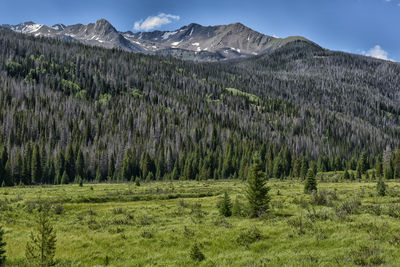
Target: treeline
<point>71,112</point>
<point>36,166</point>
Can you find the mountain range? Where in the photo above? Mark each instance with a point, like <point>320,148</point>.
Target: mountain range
<point>193,42</point>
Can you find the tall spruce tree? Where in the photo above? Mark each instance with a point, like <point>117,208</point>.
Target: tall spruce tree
<point>257,191</point>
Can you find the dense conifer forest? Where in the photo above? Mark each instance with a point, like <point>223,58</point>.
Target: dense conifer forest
<point>70,112</point>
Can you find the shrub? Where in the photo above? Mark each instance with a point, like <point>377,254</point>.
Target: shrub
<point>59,209</point>
<point>347,207</point>
<point>367,255</point>
<point>137,181</point>
<point>249,236</point>
<point>196,254</point>
<point>323,198</point>
<point>146,234</point>
<point>116,211</point>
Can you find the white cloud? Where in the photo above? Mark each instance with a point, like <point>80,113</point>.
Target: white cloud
<point>378,52</point>
<point>153,22</point>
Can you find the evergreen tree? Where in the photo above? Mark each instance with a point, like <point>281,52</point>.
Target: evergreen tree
<point>379,168</point>
<point>70,162</point>
<point>64,178</point>
<point>225,208</point>
<point>98,175</point>
<point>36,166</point>
<point>257,191</point>
<point>80,164</point>
<point>304,168</point>
<point>310,184</point>
<point>297,167</point>
<point>111,168</point>
<point>2,247</point>
<point>381,187</point>
<point>346,175</point>
<point>41,247</point>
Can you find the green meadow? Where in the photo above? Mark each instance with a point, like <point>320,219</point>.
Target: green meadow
<point>157,224</point>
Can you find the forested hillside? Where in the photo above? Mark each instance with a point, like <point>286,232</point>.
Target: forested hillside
<point>71,112</point>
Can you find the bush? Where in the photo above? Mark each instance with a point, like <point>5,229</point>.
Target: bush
<point>196,254</point>
<point>59,209</point>
<point>249,236</point>
<point>347,207</point>
<point>323,198</point>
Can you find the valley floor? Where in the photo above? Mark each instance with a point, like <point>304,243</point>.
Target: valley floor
<point>156,224</point>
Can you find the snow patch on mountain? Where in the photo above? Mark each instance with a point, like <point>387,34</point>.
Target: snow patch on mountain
<point>168,34</point>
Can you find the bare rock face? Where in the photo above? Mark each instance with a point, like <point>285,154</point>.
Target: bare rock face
<point>192,42</point>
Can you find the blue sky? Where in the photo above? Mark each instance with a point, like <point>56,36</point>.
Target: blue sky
<point>358,26</point>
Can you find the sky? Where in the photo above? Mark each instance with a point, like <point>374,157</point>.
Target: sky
<point>368,27</point>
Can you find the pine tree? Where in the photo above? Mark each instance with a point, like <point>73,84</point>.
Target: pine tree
<point>98,175</point>
<point>80,164</point>
<point>2,247</point>
<point>379,168</point>
<point>257,191</point>
<point>381,187</point>
<point>70,162</point>
<point>41,247</point>
<point>304,168</point>
<point>225,208</point>
<point>64,178</point>
<point>346,175</point>
<point>36,166</point>
<point>310,184</point>
<point>111,168</point>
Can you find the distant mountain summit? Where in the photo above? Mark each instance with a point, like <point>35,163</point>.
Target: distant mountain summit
<point>192,42</point>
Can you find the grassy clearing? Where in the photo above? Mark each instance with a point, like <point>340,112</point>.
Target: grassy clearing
<point>251,97</point>
<point>157,224</point>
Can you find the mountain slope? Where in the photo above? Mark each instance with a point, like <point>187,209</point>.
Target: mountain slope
<point>194,42</point>
<point>129,114</point>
